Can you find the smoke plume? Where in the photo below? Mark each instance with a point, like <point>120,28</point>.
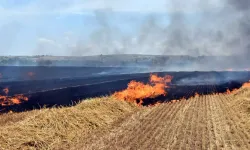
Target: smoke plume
<point>196,28</point>
<point>190,28</point>
<point>242,8</point>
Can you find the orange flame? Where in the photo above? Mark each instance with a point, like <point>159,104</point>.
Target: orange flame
<point>174,101</point>
<point>196,94</point>
<point>231,92</point>
<point>246,85</point>
<point>7,100</point>
<point>136,92</point>
<point>156,104</point>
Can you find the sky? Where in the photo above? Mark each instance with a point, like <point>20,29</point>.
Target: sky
<point>92,27</point>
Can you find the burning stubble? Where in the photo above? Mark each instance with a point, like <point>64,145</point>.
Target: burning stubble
<point>138,91</point>
<point>246,85</point>
<point>11,100</point>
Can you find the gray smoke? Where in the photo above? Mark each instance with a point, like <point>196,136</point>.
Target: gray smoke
<point>222,31</point>
<point>242,7</point>
<point>107,39</point>
<point>192,27</point>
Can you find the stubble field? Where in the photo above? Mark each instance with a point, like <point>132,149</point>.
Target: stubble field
<point>217,121</point>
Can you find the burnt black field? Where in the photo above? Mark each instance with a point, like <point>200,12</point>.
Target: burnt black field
<point>17,73</point>
<point>57,86</point>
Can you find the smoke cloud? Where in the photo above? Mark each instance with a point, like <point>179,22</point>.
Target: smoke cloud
<point>190,28</point>
<point>161,27</point>
<point>242,7</point>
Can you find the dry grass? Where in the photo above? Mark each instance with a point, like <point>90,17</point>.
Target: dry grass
<point>10,118</point>
<point>242,101</point>
<point>58,128</point>
<point>205,122</point>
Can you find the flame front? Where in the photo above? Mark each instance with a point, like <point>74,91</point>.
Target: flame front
<point>11,100</point>
<point>196,94</point>
<point>231,91</point>
<point>136,92</point>
<point>246,85</point>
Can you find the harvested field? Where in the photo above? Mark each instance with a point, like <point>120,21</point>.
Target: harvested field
<point>206,122</point>
<point>58,128</point>
<point>218,121</point>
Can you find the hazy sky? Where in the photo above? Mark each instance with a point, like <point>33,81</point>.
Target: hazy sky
<point>55,27</point>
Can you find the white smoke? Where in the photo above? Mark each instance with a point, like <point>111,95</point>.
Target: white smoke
<point>169,27</point>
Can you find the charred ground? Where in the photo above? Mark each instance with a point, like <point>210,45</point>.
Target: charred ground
<point>59,88</point>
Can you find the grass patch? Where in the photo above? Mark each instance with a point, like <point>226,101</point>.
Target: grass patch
<point>241,100</point>
<point>69,127</point>
<point>52,128</point>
